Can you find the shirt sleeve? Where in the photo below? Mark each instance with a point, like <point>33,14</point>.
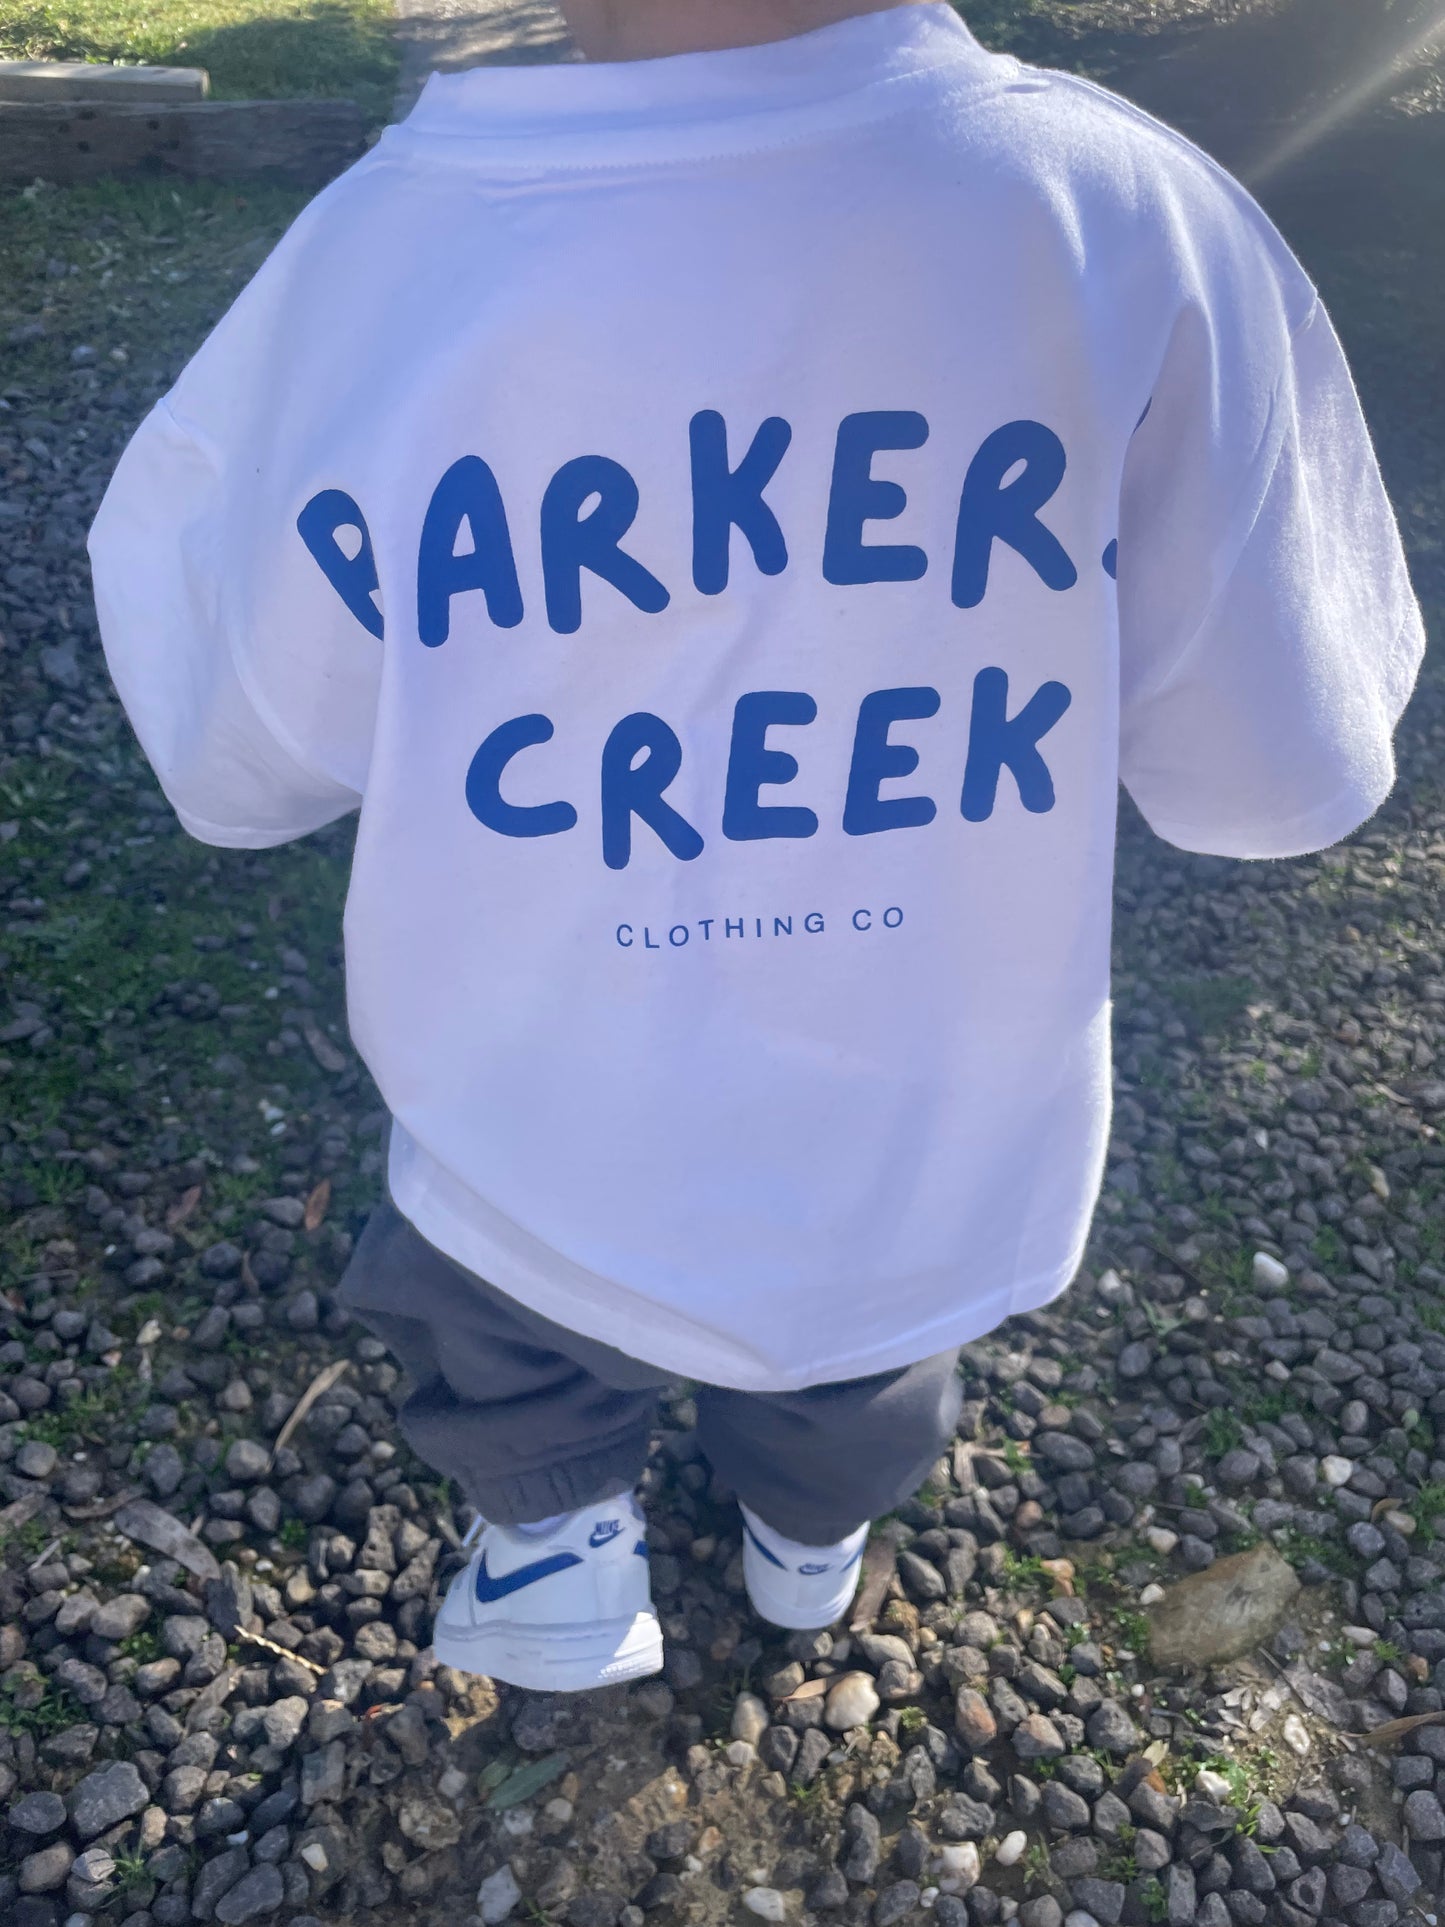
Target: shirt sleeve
<point>158,547</point>
<point>1269,633</point>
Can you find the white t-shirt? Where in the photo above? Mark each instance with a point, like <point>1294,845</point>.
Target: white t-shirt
<point>730,522</point>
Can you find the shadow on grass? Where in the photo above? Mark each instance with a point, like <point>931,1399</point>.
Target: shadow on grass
<point>320,49</point>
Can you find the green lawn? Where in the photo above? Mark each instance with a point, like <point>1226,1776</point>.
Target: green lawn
<point>253,49</point>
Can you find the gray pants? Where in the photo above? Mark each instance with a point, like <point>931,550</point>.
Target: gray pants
<point>530,1419</point>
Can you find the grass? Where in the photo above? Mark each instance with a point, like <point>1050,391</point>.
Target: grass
<point>29,1540</point>
<point>144,1647</point>
<point>1298,1547</point>
<point>1211,1005</point>
<point>52,1710</point>
<point>1153,1899</point>
<point>1133,1629</point>
<point>1222,1432</point>
<point>1430,1508</point>
<point>89,1417</point>
<point>252,49</point>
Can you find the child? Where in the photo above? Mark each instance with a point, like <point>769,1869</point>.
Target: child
<point>729,513</point>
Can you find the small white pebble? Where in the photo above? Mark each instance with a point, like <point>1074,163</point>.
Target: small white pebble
<point>1296,1735</point>
<point>453,1783</point>
<point>497,1896</point>
<point>517,1823</point>
<point>1161,1540</point>
<point>740,1753</point>
<point>314,1854</point>
<point>1360,1635</point>
<point>1277,1371</point>
<point>1011,1848</point>
<point>692,1863</point>
<point>1335,1470</point>
<point>766,1902</point>
<point>1269,1272</point>
<point>1136,1691</point>
<point>558,1812</point>
<point>1213,1786</point>
<point>960,1867</point>
<point>1151,1595</point>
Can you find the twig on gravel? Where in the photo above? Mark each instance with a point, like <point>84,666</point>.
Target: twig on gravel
<point>281,1652</point>
<point>54,1546</point>
<point>880,1562</point>
<point>323,1382</point>
<point>103,1508</point>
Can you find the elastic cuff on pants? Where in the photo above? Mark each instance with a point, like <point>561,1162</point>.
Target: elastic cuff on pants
<point>522,1497</point>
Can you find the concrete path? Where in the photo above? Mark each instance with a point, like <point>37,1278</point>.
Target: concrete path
<point>447,35</point>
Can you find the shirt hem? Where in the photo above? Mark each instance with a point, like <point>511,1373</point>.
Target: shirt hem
<point>510,1270</point>
<point>228,836</point>
<point>1317,829</point>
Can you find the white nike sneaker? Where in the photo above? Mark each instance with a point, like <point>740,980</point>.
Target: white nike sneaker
<point>557,1612</point>
<point>803,1588</point>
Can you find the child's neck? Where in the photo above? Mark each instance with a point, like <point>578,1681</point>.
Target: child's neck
<point>649,29</point>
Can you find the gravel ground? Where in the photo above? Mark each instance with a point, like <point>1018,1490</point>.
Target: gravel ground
<point>216,1699</point>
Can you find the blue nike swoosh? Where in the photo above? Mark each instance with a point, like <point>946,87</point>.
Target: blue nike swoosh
<point>489,1589</point>
<point>771,1557</point>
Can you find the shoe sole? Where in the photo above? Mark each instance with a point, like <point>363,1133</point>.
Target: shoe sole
<point>555,1659</point>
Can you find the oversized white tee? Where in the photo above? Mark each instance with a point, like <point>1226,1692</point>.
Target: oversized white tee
<point>729,523</point>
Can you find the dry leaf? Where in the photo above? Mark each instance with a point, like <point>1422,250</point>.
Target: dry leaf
<point>322,1048</point>
<point>183,1207</point>
<point>323,1382</point>
<point>811,1689</point>
<point>316,1205</point>
<point>1393,1730</point>
<point>1157,1752</point>
<point>149,1526</point>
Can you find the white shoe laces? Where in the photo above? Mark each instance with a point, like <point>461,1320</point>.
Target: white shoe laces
<point>474,1532</point>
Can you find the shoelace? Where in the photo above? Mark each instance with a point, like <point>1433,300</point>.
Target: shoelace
<point>474,1532</point>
